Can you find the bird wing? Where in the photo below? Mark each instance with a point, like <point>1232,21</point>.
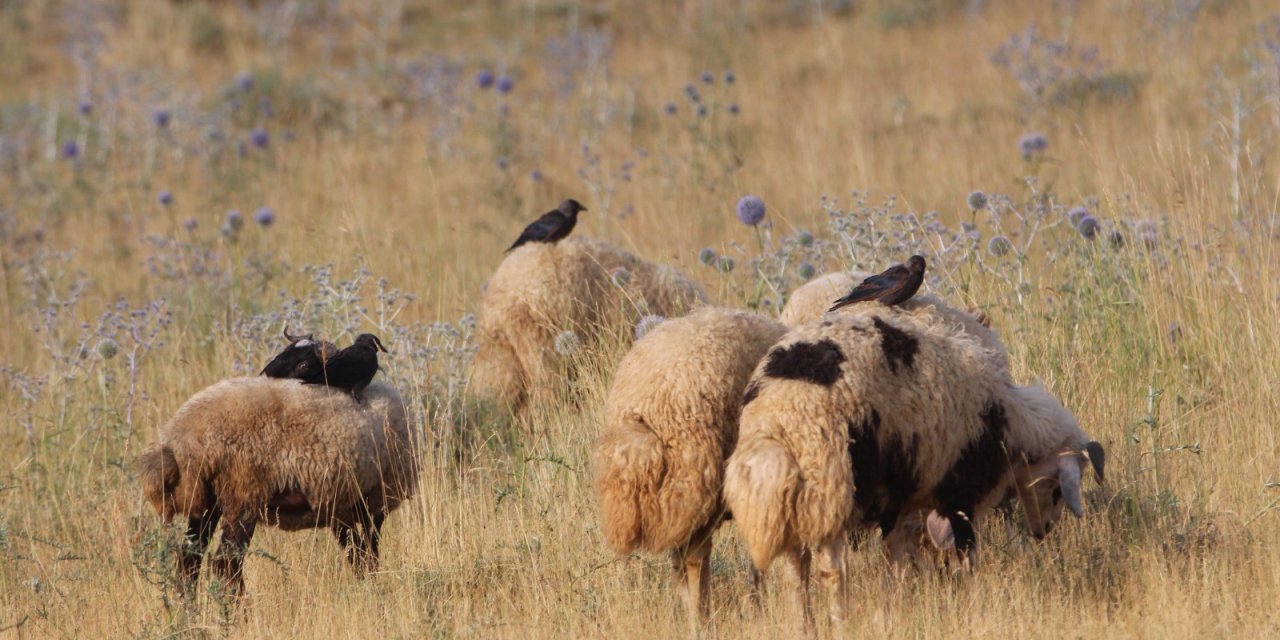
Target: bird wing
<point>870,289</point>
<point>539,229</point>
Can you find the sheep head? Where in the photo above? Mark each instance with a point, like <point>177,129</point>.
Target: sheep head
<point>1047,485</point>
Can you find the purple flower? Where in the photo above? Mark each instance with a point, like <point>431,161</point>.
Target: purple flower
<point>1088,227</point>
<point>161,118</point>
<point>692,93</point>
<point>707,78</point>
<point>535,175</point>
<point>265,217</point>
<point>725,264</point>
<point>506,84</point>
<point>806,270</point>
<point>71,150</point>
<point>977,201</point>
<point>244,81</point>
<point>190,224</point>
<point>85,107</point>
<point>999,246</point>
<point>734,109</point>
<point>503,163</point>
<point>234,220</point>
<point>1147,232</point>
<point>707,256</point>
<point>260,138</point>
<point>1032,144</point>
<point>671,108</point>
<point>165,198</point>
<point>1076,214</point>
<point>804,239</point>
<point>750,210</point>
<point>729,78</point>
<point>484,79</point>
<point>702,111</point>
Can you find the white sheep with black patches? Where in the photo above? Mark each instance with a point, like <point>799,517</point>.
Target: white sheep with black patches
<point>872,417</point>
<point>249,451</point>
<point>671,419</point>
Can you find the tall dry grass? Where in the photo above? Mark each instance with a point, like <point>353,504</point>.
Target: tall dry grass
<point>1167,354</point>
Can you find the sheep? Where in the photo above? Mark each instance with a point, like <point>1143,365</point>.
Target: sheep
<point>812,299</point>
<point>540,290</point>
<point>274,451</point>
<point>876,416</point>
<point>671,418</point>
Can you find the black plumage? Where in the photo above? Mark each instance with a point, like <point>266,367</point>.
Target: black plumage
<point>351,369</point>
<point>551,226</point>
<point>894,286</point>
<point>304,356</point>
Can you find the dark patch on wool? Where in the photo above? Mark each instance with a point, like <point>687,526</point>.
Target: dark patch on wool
<point>978,470</point>
<point>884,474</point>
<point>899,347</point>
<point>753,390</point>
<point>816,362</point>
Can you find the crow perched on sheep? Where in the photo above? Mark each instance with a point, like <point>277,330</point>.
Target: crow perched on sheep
<point>552,226</point>
<point>351,369</point>
<point>893,286</point>
<point>304,356</point>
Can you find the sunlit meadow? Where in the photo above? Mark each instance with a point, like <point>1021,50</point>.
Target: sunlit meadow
<point>180,180</point>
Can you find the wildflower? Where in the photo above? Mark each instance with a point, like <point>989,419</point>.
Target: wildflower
<point>165,198</point>
<point>729,78</point>
<point>85,107</point>
<point>750,210</point>
<point>234,220</point>
<point>244,81</point>
<point>621,277</point>
<point>506,84</point>
<point>1147,233</point>
<point>1116,239</point>
<point>567,343</point>
<point>734,109</point>
<point>484,79</point>
<point>535,175</point>
<point>71,150</point>
<point>503,163</point>
<point>702,111</point>
<point>977,201</point>
<point>1088,226</point>
<point>161,118</point>
<point>691,92</point>
<point>725,264</point>
<point>646,324</point>
<point>806,270</point>
<point>190,224</point>
<point>671,108</point>
<point>707,78</point>
<point>1032,144</point>
<point>999,246</point>
<point>707,256</point>
<point>107,348</point>
<point>260,138</point>
<point>265,217</point>
<point>804,239</point>
<point>1076,214</point>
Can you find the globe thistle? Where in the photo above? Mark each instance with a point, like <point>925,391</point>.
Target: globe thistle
<point>244,81</point>
<point>164,198</point>
<point>190,224</point>
<point>670,108</point>
<point>536,175</point>
<point>729,78</point>
<point>725,264</point>
<point>567,343</point>
<point>646,324</point>
<point>1088,227</point>
<point>265,217</point>
<point>999,246</point>
<point>503,163</point>
<point>707,78</point>
<point>71,150</point>
<point>620,277</point>
<point>485,79</point>
<point>804,239</point>
<point>234,220</point>
<point>806,270</point>
<point>85,107</point>
<point>1032,144</point>
<point>734,109</point>
<point>691,92</point>
<point>707,256</point>
<point>161,118</point>
<point>107,348</point>
<point>702,111</point>
<point>505,84</point>
<point>1116,239</point>
<point>1076,214</point>
<point>260,138</point>
<point>750,210</point>
<point>1147,233</point>
<point>977,201</point>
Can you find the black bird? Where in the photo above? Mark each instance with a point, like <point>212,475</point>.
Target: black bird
<point>894,286</point>
<point>552,226</point>
<point>303,356</point>
<point>351,369</point>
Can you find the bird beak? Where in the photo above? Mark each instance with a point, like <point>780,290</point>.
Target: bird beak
<point>380,347</point>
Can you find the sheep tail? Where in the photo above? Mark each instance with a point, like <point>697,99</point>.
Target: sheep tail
<point>158,473</point>
<point>760,487</point>
<point>629,466</point>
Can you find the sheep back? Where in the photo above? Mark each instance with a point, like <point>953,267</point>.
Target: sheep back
<point>671,418</point>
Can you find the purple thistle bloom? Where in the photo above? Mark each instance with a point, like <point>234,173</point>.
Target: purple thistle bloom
<point>165,198</point>
<point>692,93</point>
<point>1076,214</point>
<point>707,78</point>
<point>999,246</point>
<point>804,239</point>
<point>734,109</point>
<point>503,163</point>
<point>729,78</point>
<point>536,175</point>
<point>506,84</point>
<point>244,81</point>
<point>265,217</point>
<point>190,224</point>
<point>977,201</point>
<point>806,270</point>
<point>484,79</point>
<point>750,210</point>
<point>260,138</point>
<point>725,264</point>
<point>707,256</point>
<point>71,150</point>
<point>1088,227</point>
<point>161,118</point>
<point>702,111</point>
<point>234,220</point>
<point>671,108</point>
<point>85,107</point>
<point>1032,144</point>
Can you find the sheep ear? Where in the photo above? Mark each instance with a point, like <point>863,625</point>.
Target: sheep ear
<point>1098,459</point>
<point>1069,482</point>
<point>940,533</point>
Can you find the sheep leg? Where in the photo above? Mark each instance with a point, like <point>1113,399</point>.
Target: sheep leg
<point>229,563</point>
<point>360,539</point>
<point>832,574</point>
<point>692,565</point>
<point>755,583</point>
<point>799,561</point>
<point>199,533</point>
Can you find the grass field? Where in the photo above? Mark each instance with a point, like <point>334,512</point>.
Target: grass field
<point>379,173</point>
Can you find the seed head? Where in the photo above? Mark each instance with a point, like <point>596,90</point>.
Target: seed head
<point>806,270</point>
<point>107,348</point>
<point>999,246</point>
<point>977,201</point>
<point>567,343</point>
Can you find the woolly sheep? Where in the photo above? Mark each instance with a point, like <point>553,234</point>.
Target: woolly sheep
<point>578,284</point>
<point>671,418</point>
<point>875,416</point>
<point>274,451</point>
<point>811,300</point>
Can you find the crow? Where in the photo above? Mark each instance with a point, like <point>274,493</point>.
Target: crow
<point>894,286</point>
<point>351,369</point>
<point>552,226</point>
<point>303,356</point>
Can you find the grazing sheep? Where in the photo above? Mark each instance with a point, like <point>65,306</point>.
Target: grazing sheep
<point>263,450</point>
<point>578,284</point>
<point>812,300</point>
<point>671,418</point>
<point>875,416</point>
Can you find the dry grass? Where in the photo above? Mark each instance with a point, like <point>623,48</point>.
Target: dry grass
<point>503,543</point>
